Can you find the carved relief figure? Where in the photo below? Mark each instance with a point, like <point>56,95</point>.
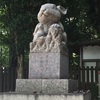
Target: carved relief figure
<point>49,32</point>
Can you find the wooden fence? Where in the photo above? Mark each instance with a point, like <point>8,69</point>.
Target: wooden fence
<point>87,79</point>
<point>86,76</point>
<point>8,77</point>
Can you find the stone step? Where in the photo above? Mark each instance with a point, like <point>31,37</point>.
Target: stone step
<point>46,86</point>
<point>31,96</point>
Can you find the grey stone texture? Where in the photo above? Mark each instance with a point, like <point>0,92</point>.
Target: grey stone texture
<point>99,83</point>
<point>48,66</point>
<point>28,85</point>
<point>46,86</point>
<point>27,96</point>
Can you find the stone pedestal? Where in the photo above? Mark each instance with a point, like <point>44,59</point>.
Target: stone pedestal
<point>48,79</point>
<point>48,66</point>
<point>34,96</point>
<point>48,74</point>
<point>46,86</point>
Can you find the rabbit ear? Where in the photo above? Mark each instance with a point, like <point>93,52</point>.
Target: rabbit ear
<point>62,10</point>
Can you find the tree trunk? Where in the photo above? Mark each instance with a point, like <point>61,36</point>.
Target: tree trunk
<point>20,61</point>
<point>20,57</point>
<point>12,57</point>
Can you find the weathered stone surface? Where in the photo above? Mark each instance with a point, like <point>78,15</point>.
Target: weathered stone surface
<point>53,47</point>
<point>48,66</point>
<point>59,86</point>
<point>32,96</point>
<point>25,85</point>
<point>46,86</point>
<point>49,32</point>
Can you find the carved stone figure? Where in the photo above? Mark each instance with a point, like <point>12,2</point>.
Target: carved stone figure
<point>38,32</point>
<point>49,33</point>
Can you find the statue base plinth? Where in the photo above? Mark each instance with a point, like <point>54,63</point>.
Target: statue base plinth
<point>46,86</point>
<point>48,66</point>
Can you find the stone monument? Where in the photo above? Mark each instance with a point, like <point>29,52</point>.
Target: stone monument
<point>48,57</point>
<point>48,60</point>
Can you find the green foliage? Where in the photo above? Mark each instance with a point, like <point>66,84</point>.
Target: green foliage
<point>19,16</point>
<point>4,56</point>
<point>77,23</point>
<point>17,22</point>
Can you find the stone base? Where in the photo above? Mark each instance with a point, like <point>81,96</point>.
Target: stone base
<point>46,86</point>
<point>28,96</point>
<point>48,66</point>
